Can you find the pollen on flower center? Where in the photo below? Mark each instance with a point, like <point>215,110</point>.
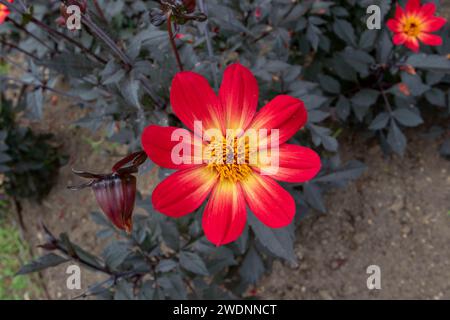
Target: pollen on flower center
<point>412,27</point>
<point>229,157</point>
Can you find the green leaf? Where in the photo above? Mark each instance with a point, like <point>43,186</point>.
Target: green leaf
<point>407,117</point>
<point>329,84</point>
<point>367,39</point>
<point>429,62</point>
<point>436,97</point>
<point>359,60</point>
<point>115,253</point>
<point>252,267</point>
<point>279,242</point>
<point>193,263</point>
<point>396,139</point>
<point>343,108</point>
<point>166,265</point>
<point>362,101</point>
<point>380,121</point>
<point>345,31</point>
<point>350,171</point>
<point>313,196</point>
<point>35,103</point>
<point>44,262</point>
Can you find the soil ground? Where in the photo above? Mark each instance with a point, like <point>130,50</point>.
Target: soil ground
<point>397,216</point>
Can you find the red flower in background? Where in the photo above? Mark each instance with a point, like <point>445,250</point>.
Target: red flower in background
<point>416,23</point>
<point>231,187</point>
<point>4,11</point>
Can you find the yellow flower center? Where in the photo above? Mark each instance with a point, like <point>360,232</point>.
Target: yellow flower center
<point>229,157</point>
<point>412,27</point>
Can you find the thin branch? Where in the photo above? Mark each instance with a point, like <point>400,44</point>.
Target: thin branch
<point>100,11</point>
<point>13,46</point>
<point>108,41</point>
<point>209,46</point>
<point>386,100</point>
<point>53,31</point>
<point>20,27</point>
<point>43,87</point>
<point>172,42</point>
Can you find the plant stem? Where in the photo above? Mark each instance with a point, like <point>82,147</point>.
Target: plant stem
<point>100,11</point>
<point>204,26</point>
<point>386,100</point>
<point>42,25</point>
<point>43,87</point>
<point>19,26</point>
<point>128,64</point>
<point>172,42</point>
<point>108,41</point>
<point>13,46</point>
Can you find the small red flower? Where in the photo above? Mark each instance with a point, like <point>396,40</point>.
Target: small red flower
<point>234,185</point>
<point>4,11</point>
<point>416,23</point>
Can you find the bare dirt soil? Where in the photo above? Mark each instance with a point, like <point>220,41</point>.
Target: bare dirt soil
<point>397,216</point>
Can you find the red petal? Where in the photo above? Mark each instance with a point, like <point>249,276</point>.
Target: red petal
<point>193,100</point>
<point>399,13</point>
<point>433,24</point>
<point>399,38</point>
<point>157,143</point>
<point>428,9</point>
<point>412,6</point>
<point>394,25</point>
<point>183,191</point>
<point>296,164</point>
<point>116,196</point>
<point>412,44</point>
<point>239,96</point>
<point>270,203</point>
<point>285,113</point>
<point>430,39</point>
<point>225,214</point>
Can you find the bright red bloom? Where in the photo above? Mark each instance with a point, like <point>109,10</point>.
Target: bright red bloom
<point>416,23</point>
<point>230,187</point>
<point>4,11</point>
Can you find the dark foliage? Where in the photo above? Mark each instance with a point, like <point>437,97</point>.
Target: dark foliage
<point>29,161</point>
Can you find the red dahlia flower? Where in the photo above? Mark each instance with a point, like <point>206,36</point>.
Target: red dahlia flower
<point>416,23</point>
<point>236,184</point>
<point>4,11</point>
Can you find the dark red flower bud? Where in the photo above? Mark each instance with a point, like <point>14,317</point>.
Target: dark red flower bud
<point>116,192</point>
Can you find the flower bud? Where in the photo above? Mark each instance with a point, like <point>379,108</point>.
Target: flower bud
<point>115,195</point>
<point>116,192</point>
